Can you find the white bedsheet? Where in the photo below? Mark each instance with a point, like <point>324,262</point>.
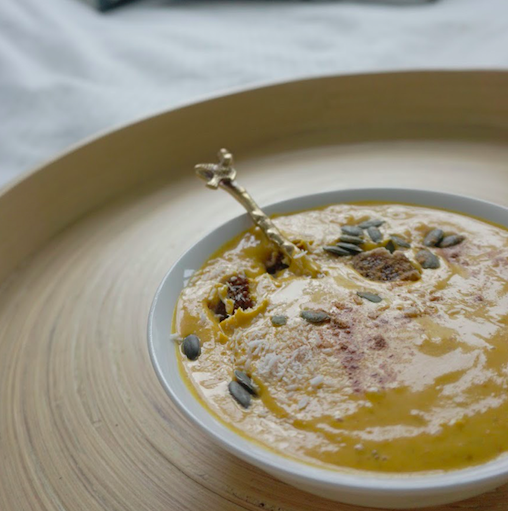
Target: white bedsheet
<point>67,71</point>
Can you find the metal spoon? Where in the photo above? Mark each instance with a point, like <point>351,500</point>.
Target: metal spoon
<point>223,174</point>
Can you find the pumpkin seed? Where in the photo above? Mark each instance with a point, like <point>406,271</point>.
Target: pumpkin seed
<point>191,347</point>
<point>369,296</point>
<point>350,247</point>
<point>240,394</point>
<point>246,382</point>
<point>315,316</point>
<point>352,230</point>
<point>355,240</point>
<point>433,238</point>
<point>374,222</point>
<point>451,240</point>
<point>390,246</point>
<point>279,320</point>
<point>400,242</point>
<point>375,234</point>
<point>336,251</point>
<point>427,259</point>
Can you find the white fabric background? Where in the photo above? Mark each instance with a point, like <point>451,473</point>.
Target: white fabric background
<point>67,71</point>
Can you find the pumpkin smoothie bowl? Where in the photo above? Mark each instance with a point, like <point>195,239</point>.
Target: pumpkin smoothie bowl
<point>361,335</point>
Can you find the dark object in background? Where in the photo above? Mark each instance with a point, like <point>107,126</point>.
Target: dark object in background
<point>106,5</point>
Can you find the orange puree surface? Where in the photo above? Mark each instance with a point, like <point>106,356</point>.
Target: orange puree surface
<point>415,382</point>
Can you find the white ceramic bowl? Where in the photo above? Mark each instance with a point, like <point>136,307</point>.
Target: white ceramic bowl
<point>395,491</point>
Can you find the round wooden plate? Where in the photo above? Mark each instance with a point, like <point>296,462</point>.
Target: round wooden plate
<point>86,239</point>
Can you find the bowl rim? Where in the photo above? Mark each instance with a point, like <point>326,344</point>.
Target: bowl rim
<point>301,471</point>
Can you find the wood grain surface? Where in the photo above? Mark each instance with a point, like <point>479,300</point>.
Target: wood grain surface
<point>86,239</point>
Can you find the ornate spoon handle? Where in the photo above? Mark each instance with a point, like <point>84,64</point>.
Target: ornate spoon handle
<point>223,174</point>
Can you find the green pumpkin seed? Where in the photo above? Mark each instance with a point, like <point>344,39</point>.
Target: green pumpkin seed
<point>350,247</point>
<point>451,240</point>
<point>390,246</point>
<point>369,296</point>
<point>375,222</point>
<point>433,238</point>
<point>427,259</point>
<point>336,251</point>
<point>246,382</point>
<point>191,347</point>
<point>355,240</point>
<point>375,234</point>
<point>352,230</point>
<point>240,394</point>
<point>400,242</point>
<point>279,320</point>
<point>315,316</point>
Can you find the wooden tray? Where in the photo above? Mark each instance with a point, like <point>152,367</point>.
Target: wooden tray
<point>85,240</point>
